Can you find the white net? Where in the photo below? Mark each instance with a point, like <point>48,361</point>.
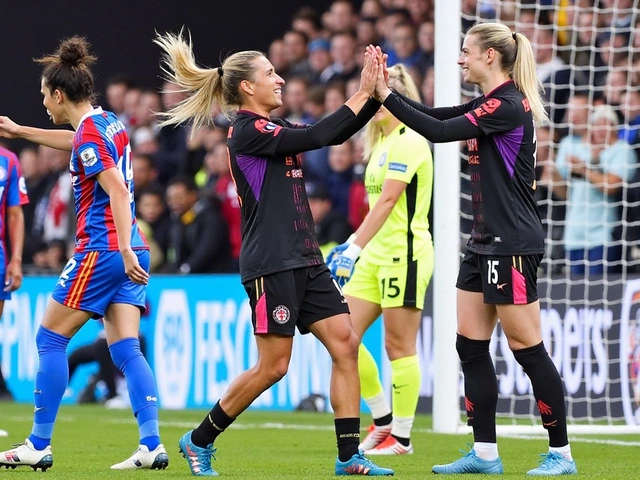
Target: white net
<point>588,58</point>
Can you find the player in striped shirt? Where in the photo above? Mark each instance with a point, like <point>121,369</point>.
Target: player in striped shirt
<point>13,194</point>
<point>108,273</point>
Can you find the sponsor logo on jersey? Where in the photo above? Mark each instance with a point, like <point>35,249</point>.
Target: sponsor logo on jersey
<point>88,157</point>
<point>398,167</point>
<point>281,314</point>
<point>294,173</point>
<point>383,159</point>
<point>264,126</point>
<point>22,186</point>
<point>3,174</point>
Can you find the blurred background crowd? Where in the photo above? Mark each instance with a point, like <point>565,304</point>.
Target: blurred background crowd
<point>588,58</point>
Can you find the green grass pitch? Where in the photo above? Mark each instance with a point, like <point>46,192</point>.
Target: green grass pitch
<point>279,445</point>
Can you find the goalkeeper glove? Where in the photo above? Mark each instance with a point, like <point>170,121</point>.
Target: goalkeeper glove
<point>342,266</point>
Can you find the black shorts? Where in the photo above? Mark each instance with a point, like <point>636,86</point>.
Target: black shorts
<point>283,300</point>
<point>503,279</point>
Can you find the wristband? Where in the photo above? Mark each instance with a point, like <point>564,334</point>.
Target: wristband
<point>352,252</point>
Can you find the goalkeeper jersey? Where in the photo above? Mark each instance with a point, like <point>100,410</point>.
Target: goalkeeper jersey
<point>405,156</point>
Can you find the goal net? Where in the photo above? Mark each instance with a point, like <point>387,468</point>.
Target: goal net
<point>588,58</point>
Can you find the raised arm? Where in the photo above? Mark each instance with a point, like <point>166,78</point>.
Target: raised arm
<point>58,139</point>
<point>434,130</point>
<point>441,113</point>
<point>340,125</point>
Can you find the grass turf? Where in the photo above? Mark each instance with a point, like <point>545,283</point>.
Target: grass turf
<point>277,445</point>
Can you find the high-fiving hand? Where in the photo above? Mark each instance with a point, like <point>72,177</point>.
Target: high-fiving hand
<point>382,89</point>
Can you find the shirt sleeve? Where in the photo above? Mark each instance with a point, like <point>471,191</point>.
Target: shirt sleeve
<point>622,163</point>
<point>495,115</point>
<point>17,187</point>
<point>93,153</point>
<point>262,137</point>
<point>441,113</point>
<point>406,158</point>
<point>561,160</point>
<point>434,130</point>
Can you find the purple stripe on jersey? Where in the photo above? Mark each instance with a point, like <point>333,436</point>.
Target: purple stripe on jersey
<point>253,169</point>
<point>508,144</point>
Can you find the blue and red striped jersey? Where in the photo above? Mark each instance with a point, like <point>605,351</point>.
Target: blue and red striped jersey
<point>13,191</point>
<point>101,142</point>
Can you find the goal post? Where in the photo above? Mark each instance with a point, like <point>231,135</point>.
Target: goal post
<point>446,228</point>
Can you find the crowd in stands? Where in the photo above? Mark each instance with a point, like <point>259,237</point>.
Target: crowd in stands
<point>588,55</point>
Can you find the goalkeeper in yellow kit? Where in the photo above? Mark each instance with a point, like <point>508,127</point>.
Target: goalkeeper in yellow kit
<point>395,265</point>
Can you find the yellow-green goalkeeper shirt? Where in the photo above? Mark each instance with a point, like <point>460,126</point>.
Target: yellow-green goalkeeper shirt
<point>405,156</point>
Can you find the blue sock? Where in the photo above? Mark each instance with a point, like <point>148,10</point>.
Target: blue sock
<point>51,381</point>
<point>141,384</point>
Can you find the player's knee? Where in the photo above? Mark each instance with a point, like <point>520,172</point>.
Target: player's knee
<point>124,351</point>
<point>47,341</point>
<point>275,370</point>
<point>346,347</point>
<point>397,347</point>
<point>471,351</point>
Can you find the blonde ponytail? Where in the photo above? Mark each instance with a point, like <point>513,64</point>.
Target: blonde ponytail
<point>526,79</point>
<point>205,87</point>
<point>202,85</point>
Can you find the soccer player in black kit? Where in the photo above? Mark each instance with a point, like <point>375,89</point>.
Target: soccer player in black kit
<point>498,275</point>
<point>281,266</point>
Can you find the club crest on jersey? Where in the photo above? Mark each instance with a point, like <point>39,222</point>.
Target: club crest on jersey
<point>89,157</point>
<point>281,314</point>
<point>488,107</point>
<point>383,159</point>
<point>264,126</point>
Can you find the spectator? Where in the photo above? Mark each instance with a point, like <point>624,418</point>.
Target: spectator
<point>172,141</point>
<point>145,173</point>
<point>59,218</point>
<point>388,23</point>
<point>339,180</point>
<point>404,43</point>
<point>332,228</point>
<point>278,58</point>
<point>630,132</point>
<point>615,84</point>
<point>334,97</point>
<point>199,241</point>
<point>295,50</point>
<point>307,21</point>
<point>343,49</point>
<point>143,140</point>
<point>552,71</point>
<point>426,42</point>
<point>320,60</point>
<point>115,93</point>
<point>371,9</point>
<point>420,10</point>
<point>342,17</point>
<point>595,169</point>
<point>150,208</point>
<point>294,97</point>
<point>366,32</point>
<point>131,101</point>
<point>34,173</point>
<point>224,190</point>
